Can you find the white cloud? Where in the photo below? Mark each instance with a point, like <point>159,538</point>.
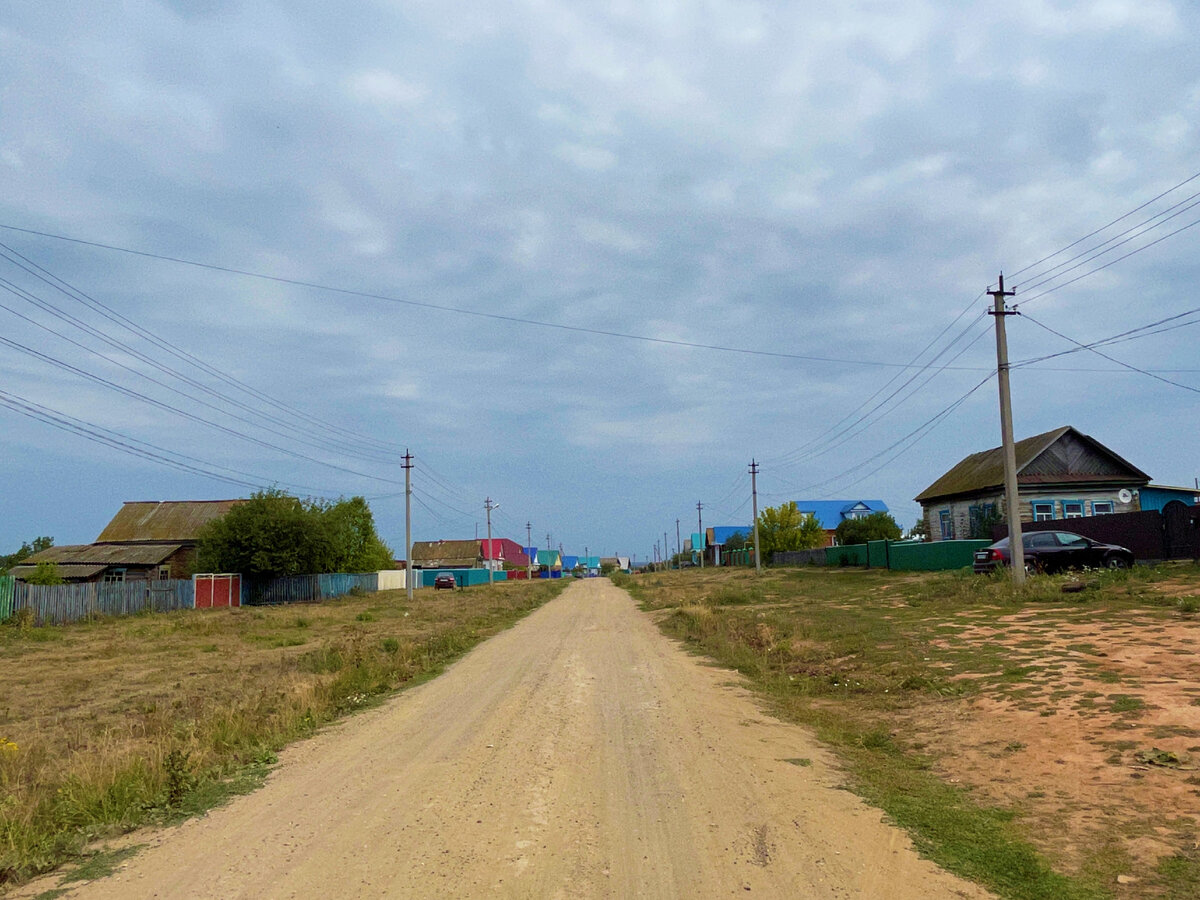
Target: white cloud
<point>592,159</point>
<point>385,88</point>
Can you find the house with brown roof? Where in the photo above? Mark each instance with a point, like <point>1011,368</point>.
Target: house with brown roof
<point>447,555</point>
<point>1061,474</point>
<point>145,541</point>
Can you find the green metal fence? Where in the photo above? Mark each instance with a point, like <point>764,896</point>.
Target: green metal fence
<point>6,597</point>
<point>903,556</point>
<point>848,555</point>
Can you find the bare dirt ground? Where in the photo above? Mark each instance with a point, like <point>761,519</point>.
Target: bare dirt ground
<point>1099,742</point>
<point>579,754</point>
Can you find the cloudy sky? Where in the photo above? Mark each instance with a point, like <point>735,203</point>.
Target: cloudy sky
<point>585,259</point>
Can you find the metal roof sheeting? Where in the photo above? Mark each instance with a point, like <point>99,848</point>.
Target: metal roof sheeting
<point>831,513</point>
<point>105,554</point>
<point>446,554</point>
<point>163,520</point>
<point>67,572</point>
<point>985,470</point>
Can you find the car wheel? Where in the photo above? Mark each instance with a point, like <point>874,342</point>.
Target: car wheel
<point>1117,562</point>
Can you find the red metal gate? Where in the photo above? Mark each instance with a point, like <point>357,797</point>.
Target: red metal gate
<point>215,591</point>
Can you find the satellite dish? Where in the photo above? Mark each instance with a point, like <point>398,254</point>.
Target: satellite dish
<point>1124,496</point>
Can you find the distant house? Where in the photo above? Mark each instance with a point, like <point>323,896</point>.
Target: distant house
<point>571,563</point>
<point>447,555</point>
<point>145,541</point>
<point>1061,474</point>
<point>716,537</point>
<point>832,513</point>
<point>549,563</point>
<point>503,553</point>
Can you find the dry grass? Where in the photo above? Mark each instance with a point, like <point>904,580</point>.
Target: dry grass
<point>108,725</point>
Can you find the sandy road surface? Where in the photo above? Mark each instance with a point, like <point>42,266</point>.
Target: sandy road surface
<point>580,754</point>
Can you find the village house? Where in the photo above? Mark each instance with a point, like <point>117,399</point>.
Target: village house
<point>1061,474</point>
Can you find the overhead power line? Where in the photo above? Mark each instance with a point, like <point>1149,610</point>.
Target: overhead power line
<point>459,310</point>
<point>342,438</point>
<point>1104,228</point>
<point>135,395</point>
<point>1092,348</point>
<point>139,448</point>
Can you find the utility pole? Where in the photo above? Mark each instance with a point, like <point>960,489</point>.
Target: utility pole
<point>587,562</point>
<point>754,496</point>
<point>489,506</point>
<point>528,549</point>
<point>1011,496</point>
<point>408,575</point>
<point>700,525</point>
<point>678,542</point>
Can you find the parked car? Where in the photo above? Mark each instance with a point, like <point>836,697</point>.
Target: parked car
<point>1054,551</point>
<point>444,580</point>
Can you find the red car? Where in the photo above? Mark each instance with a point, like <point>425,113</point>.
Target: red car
<point>1054,551</point>
<point>444,580</point>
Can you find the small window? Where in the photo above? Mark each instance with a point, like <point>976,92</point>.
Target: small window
<point>1102,507</point>
<point>1072,509</point>
<point>114,576</point>
<point>947,524</point>
<point>1043,510</point>
<point>164,573</point>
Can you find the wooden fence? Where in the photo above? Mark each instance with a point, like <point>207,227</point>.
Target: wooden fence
<point>56,604</point>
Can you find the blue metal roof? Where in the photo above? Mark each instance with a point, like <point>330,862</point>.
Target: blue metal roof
<point>830,513</point>
<point>570,562</point>
<point>722,533</point>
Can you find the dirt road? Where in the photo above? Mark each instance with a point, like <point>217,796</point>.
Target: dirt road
<point>580,754</point>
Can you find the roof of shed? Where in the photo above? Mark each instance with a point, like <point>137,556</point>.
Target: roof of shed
<point>985,470</point>
<point>163,520</point>
<point>719,534</point>
<point>105,554</point>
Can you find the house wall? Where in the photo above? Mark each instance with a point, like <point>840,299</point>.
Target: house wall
<point>1057,497</point>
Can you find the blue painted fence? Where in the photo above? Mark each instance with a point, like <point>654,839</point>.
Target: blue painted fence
<point>462,577</point>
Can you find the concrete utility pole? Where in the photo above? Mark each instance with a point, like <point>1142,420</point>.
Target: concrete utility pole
<point>754,496</point>
<point>528,548</point>
<point>700,525</point>
<point>408,574</point>
<point>1011,496</point>
<point>489,506</point>
<point>678,542</point>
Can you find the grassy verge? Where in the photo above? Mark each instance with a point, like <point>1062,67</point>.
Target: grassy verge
<point>861,656</point>
<point>109,725</point>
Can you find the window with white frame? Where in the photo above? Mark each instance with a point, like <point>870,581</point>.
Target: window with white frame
<point>947,524</point>
<point>1043,510</point>
<point>1072,509</point>
<point>1102,507</point>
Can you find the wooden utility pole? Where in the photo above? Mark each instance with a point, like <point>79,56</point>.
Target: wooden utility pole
<point>528,551</point>
<point>754,498</point>
<point>678,542</point>
<point>1011,495</point>
<point>489,506</point>
<point>408,573</point>
<point>700,525</point>
<point>666,551</point>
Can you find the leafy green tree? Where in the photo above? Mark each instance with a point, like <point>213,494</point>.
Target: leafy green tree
<point>45,573</point>
<point>27,550</point>
<point>878,526</point>
<point>274,534</point>
<point>784,527</point>
<point>919,531</point>
<point>736,541</point>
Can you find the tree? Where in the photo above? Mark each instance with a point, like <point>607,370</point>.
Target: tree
<point>919,531</point>
<point>274,534</point>
<point>45,573</point>
<point>736,541</point>
<point>878,526</point>
<point>27,550</point>
<point>786,528</point>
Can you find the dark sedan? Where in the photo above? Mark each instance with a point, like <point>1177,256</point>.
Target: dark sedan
<point>444,580</point>
<point>1054,551</point>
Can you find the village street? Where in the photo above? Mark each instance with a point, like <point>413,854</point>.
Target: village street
<point>579,754</point>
